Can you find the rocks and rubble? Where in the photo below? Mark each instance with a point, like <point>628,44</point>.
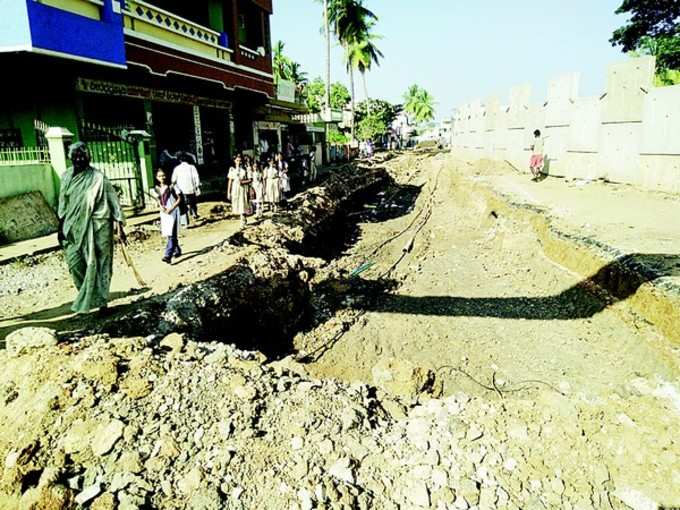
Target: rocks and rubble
<point>219,430</point>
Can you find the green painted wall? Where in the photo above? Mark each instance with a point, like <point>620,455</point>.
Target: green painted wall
<point>19,179</point>
<point>20,114</point>
<point>216,15</point>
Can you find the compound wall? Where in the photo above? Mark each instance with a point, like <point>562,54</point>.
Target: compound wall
<point>629,134</point>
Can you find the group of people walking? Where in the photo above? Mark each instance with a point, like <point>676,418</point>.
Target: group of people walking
<point>252,186</point>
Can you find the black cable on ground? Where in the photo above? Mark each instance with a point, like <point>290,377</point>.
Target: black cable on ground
<point>494,387</point>
<point>325,347</point>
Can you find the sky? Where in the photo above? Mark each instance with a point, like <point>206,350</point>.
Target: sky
<point>461,50</point>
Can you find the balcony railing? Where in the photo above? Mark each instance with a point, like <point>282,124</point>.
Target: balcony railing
<point>157,25</point>
<point>250,53</point>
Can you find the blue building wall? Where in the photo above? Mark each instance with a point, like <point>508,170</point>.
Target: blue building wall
<point>14,28</point>
<point>71,34</point>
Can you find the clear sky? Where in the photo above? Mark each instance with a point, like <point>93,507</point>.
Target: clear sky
<point>462,50</point>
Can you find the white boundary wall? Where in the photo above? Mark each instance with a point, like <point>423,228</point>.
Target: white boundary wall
<point>629,134</point>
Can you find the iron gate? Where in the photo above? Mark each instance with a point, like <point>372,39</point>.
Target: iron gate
<point>115,154</point>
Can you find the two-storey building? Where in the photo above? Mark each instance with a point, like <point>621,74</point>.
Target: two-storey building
<point>195,74</point>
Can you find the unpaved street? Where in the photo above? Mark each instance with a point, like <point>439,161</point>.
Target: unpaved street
<point>421,350</point>
<point>478,293</point>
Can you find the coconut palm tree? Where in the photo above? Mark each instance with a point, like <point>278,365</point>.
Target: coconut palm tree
<point>280,62</point>
<point>298,76</point>
<point>351,22</point>
<point>327,31</point>
<point>419,103</point>
<point>364,53</point>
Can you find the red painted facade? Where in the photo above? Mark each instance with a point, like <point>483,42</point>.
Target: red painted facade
<point>161,60</point>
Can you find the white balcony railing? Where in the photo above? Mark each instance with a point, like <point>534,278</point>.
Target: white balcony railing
<point>250,53</point>
<point>147,21</point>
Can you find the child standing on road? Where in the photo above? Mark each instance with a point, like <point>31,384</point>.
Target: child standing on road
<point>536,162</point>
<point>239,190</point>
<point>169,200</point>
<point>257,177</point>
<point>282,168</point>
<point>272,185</point>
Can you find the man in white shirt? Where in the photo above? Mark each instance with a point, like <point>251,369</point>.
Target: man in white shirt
<point>185,177</point>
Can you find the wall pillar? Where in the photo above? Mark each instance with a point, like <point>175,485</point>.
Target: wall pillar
<point>148,126</point>
<point>234,32</point>
<point>146,169</point>
<point>58,140</point>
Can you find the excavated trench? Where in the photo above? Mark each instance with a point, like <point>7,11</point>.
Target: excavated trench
<point>263,300</point>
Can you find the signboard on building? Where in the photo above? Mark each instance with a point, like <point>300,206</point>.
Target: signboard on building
<point>138,92</point>
<point>285,91</point>
<point>265,125</point>
<point>198,134</point>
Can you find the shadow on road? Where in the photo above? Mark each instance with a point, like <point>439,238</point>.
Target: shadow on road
<point>620,278</point>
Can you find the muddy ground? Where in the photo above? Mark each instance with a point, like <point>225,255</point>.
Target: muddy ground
<point>420,351</point>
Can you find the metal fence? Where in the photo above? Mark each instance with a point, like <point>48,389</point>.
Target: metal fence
<point>24,156</point>
<point>116,156</point>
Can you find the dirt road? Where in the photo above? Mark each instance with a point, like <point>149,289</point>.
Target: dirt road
<point>38,291</point>
<point>478,294</point>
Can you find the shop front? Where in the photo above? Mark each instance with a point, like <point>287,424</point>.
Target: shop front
<point>176,120</point>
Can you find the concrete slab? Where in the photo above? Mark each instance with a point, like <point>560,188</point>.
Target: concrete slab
<point>26,216</point>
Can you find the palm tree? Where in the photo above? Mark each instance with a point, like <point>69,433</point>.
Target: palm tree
<point>298,76</point>
<point>351,23</point>
<point>364,53</point>
<point>419,103</point>
<point>281,63</point>
<point>327,30</point>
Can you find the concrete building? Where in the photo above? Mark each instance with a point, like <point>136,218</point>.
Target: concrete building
<point>194,75</point>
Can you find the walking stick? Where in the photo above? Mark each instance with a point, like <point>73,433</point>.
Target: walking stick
<point>131,265</point>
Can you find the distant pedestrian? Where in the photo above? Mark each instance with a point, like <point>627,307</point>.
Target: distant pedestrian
<point>239,190</point>
<point>169,201</point>
<point>272,185</point>
<point>537,159</point>
<point>312,166</point>
<point>282,168</point>
<point>185,177</point>
<point>89,212</point>
<point>257,178</point>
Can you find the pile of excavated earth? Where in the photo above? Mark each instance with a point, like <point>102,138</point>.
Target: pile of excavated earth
<point>210,396</point>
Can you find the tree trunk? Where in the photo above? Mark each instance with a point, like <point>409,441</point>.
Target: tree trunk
<point>368,103</point>
<point>351,83</point>
<point>327,29</point>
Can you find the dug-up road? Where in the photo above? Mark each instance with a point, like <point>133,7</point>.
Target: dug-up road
<point>477,293</point>
<point>444,361</point>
